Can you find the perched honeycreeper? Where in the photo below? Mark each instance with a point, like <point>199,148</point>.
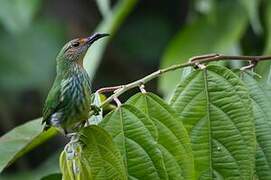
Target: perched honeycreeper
<point>69,101</point>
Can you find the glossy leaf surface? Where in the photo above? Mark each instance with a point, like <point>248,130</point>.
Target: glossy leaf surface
<point>261,101</point>
<point>173,139</point>
<point>136,136</point>
<point>216,110</point>
<point>21,140</point>
<point>93,157</point>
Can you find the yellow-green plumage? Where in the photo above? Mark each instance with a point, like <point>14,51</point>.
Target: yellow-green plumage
<point>69,100</point>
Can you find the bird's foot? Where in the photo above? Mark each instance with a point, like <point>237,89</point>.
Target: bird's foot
<point>95,109</point>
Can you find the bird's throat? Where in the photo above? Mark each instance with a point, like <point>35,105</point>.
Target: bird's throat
<point>69,68</point>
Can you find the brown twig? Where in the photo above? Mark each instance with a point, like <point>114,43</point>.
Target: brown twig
<point>194,61</point>
<point>108,89</point>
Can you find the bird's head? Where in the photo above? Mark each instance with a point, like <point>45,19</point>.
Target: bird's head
<point>75,50</point>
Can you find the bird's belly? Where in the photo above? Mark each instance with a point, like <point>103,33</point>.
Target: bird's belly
<point>77,107</point>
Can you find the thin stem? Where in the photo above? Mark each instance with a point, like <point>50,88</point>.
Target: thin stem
<point>108,89</point>
<point>194,61</point>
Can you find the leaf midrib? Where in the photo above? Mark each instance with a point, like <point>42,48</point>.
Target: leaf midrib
<point>208,119</point>
<point>123,141</point>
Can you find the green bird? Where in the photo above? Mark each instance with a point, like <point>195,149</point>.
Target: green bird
<point>68,103</point>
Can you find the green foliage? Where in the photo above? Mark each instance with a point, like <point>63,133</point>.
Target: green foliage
<point>216,110</point>
<point>94,156</point>
<point>136,137</point>
<point>154,144</point>
<point>261,102</point>
<point>172,137</point>
<point>21,140</point>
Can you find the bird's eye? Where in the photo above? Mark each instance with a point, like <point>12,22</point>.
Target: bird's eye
<point>75,44</point>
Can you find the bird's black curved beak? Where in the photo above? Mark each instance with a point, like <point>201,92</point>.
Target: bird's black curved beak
<point>95,37</point>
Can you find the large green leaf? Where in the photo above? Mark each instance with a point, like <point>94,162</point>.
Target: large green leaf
<point>110,24</point>
<point>21,140</point>
<point>216,110</point>
<point>261,102</point>
<point>203,36</point>
<point>93,157</point>
<point>173,139</point>
<point>136,136</point>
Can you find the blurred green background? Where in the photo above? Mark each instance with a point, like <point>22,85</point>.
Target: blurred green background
<point>146,35</point>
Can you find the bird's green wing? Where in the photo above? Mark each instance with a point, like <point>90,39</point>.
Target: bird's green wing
<point>52,102</point>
